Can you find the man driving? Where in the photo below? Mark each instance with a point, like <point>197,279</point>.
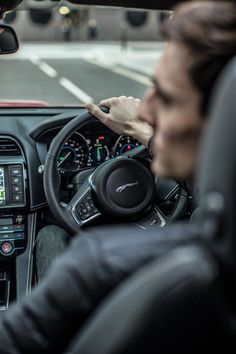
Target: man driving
<point>202,40</point>
<point>176,104</point>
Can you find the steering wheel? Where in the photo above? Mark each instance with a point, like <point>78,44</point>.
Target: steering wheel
<point>122,187</point>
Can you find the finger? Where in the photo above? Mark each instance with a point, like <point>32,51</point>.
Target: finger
<point>96,111</point>
<point>108,102</point>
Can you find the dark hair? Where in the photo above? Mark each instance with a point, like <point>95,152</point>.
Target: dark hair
<point>208,29</point>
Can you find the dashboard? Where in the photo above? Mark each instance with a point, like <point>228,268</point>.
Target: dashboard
<point>32,130</point>
<point>91,146</point>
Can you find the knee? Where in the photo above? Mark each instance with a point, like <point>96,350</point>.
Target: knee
<point>51,234</point>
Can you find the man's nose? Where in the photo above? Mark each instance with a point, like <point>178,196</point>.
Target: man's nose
<point>146,107</point>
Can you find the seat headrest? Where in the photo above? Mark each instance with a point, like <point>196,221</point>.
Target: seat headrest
<point>217,169</point>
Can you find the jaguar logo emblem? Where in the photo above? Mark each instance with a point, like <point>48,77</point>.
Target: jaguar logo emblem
<point>124,186</point>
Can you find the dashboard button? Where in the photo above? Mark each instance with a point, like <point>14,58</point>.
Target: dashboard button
<point>19,235</point>
<point>3,236</point>
<point>18,198</point>
<point>7,247</point>
<point>17,227</point>
<point>88,207</point>
<point>153,221</point>
<point>5,227</point>
<point>17,181</point>
<point>17,189</point>
<point>16,171</point>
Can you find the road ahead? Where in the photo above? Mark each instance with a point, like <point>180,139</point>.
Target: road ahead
<point>77,73</point>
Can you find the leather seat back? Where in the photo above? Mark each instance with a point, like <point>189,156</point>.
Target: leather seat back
<point>168,306</point>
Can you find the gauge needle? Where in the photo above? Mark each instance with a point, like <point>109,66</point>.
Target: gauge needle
<point>98,153</point>
<point>67,155</point>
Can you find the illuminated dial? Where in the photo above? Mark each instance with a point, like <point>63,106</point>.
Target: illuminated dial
<point>124,144</point>
<point>74,153</point>
<point>99,152</point>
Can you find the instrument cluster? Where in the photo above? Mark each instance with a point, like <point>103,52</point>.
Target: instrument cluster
<point>93,145</point>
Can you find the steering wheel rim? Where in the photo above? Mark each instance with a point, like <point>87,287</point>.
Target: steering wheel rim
<point>65,213</point>
<point>51,177</point>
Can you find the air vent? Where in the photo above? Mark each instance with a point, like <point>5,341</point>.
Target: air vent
<point>8,147</point>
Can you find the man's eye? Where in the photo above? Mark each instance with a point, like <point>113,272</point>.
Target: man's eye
<point>166,101</point>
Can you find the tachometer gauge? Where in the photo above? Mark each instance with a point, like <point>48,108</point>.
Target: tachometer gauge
<point>74,154</point>
<point>124,144</point>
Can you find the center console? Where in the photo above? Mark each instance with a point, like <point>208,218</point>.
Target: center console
<point>13,224</point>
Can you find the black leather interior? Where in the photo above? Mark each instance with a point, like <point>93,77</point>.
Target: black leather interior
<point>217,172</point>
<point>170,306</point>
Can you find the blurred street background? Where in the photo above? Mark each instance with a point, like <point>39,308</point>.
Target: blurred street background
<point>71,55</point>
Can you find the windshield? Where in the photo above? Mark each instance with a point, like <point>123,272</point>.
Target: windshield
<point>73,55</point>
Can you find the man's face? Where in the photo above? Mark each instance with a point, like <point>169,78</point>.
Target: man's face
<point>172,105</point>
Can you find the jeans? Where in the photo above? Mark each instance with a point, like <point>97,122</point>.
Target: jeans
<point>51,241</point>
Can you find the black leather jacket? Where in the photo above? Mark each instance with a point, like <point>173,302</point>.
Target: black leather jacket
<point>46,320</point>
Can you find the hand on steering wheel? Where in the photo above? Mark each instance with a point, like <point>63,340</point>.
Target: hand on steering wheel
<point>122,187</point>
<point>123,117</point>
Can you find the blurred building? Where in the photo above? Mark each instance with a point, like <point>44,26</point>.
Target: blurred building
<point>70,22</point>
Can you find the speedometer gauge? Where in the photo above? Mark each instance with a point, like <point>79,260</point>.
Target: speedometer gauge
<point>124,144</point>
<point>74,153</point>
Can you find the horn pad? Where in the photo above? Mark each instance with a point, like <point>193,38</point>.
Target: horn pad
<point>123,187</point>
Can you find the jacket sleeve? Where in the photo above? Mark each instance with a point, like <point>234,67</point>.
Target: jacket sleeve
<point>95,262</point>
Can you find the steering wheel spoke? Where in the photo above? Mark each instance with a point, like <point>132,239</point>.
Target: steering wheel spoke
<point>154,218</point>
<point>82,205</point>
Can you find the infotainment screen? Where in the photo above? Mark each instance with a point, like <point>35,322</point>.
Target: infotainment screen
<point>2,187</point>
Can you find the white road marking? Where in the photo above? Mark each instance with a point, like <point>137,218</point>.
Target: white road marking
<point>34,59</point>
<point>64,82</point>
<point>129,64</point>
<point>132,75</point>
<point>75,90</point>
<point>47,69</point>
